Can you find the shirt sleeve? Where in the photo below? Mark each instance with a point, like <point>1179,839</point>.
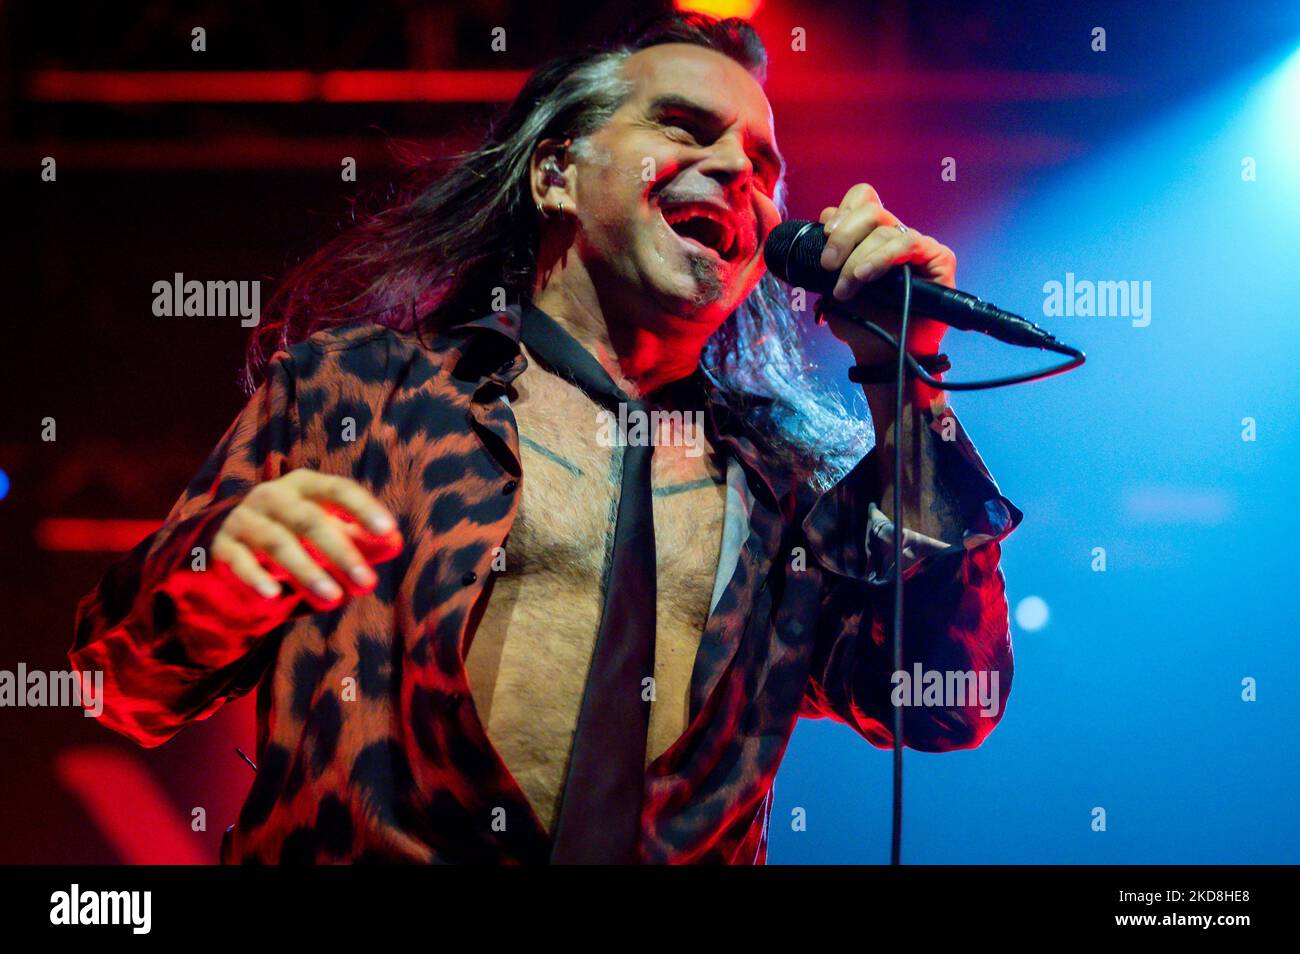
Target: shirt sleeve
<point>173,631</point>
<point>957,660</point>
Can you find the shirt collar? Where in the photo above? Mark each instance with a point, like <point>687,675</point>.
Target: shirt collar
<point>727,410</point>
<point>491,353</point>
<point>506,322</point>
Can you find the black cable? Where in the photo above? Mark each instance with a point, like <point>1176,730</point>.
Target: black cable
<point>906,361</point>
<point>896,829</point>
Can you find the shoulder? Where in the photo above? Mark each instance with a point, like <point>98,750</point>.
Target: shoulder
<point>365,354</point>
<point>368,372</point>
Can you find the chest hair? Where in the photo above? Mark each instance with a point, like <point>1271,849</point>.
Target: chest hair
<point>530,654</point>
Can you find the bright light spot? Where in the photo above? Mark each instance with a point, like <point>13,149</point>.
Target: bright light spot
<point>721,8</point>
<point>1262,124</point>
<point>1166,504</point>
<point>1031,613</point>
<point>4,485</point>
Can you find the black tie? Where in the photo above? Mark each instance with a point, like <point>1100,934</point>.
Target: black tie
<point>600,807</point>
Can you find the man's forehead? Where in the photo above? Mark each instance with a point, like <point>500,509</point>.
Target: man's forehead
<point>706,77</point>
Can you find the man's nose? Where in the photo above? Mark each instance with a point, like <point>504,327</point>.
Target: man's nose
<point>728,163</point>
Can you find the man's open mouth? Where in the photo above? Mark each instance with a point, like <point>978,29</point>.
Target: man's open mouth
<point>704,225</point>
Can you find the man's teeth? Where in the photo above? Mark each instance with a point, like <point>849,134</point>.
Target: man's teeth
<point>726,233</point>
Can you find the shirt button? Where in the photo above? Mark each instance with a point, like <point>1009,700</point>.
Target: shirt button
<point>510,487</point>
<point>469,578</point>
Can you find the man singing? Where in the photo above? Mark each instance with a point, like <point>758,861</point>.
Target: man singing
<point>479,628</point>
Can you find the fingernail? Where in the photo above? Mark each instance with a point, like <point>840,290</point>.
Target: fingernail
<point>830,255</point>
<point>864,271</point>
<point>326,589</point>
<point>381,523</point>
<point>361,575</point>
<point>841,290</point>
<point>268,589</point>
<point>830,226</point>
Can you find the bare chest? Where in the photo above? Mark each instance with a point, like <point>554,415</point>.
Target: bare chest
<point>529,658</point>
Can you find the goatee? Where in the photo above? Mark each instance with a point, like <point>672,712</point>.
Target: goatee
<point>708,281</point>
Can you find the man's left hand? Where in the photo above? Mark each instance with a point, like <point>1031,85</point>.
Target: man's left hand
<point>863,241</point>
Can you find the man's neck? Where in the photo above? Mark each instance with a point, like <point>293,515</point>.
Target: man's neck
<point>637,359</point>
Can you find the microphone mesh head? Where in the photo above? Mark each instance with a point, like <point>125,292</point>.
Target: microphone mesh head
<point>793,252</point>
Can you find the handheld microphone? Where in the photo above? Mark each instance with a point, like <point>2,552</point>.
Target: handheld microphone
<point>793,254</point>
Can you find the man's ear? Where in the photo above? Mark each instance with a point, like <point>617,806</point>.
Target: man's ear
<point>554,178</point>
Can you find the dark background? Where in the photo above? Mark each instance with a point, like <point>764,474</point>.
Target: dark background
<point>219,187</point>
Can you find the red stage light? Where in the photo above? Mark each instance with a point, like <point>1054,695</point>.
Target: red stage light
<point>131,810</point>
<point>721,8</point>
<point>234,86</point>
<point>73,533</point>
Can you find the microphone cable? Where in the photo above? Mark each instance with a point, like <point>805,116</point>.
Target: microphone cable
<point>896,825</point>
<point>906,361</point>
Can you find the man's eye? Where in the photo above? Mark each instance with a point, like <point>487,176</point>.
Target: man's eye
<point>681,128</point>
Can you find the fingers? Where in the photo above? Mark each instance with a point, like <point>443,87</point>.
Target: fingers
<point>859,195</point>
<point>882,249</point>
<point>863,241</point>
<point>274,542</point>
<point>325,540</point>
<point>244,565</point>
<point>888,247</point>
<point>317,531</point>
<point>856,218</point>
<point>348,495</point>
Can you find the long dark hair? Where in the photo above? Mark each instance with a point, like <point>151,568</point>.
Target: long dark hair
<point>460,229</point>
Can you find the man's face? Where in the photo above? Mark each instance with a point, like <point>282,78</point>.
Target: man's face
<point>675,192</point>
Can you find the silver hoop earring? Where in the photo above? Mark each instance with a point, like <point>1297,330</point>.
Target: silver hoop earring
<point>545,213</point>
